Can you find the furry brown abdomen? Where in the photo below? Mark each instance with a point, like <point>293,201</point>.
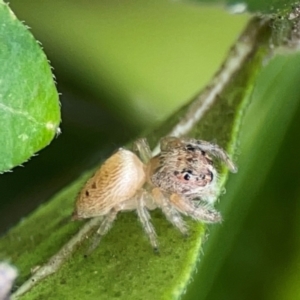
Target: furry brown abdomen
<point>117,180</point>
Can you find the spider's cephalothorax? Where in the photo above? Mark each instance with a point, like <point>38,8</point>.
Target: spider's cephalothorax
<point>184,169</point>
<point>182,172</point>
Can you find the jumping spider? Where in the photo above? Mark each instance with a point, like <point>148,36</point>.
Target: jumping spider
<point>182,173</point>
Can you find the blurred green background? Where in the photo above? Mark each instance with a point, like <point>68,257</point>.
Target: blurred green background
<point>122,68</point>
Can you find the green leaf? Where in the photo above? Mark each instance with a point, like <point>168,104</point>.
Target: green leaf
<point>29,107</point>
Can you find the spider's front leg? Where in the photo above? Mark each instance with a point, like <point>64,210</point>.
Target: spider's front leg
<point>200,213</point>
<point>219,153</point>
<point>169,142</point>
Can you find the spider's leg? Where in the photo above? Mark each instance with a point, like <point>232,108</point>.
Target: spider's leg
<point>171,214</point>
<point>142,149</point>
<point>103,229</point>
<point>201,213</point>
<point>145,218</point>
<point>215,151</point>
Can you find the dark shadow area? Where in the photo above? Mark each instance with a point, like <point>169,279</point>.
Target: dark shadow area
<point>89,134</point>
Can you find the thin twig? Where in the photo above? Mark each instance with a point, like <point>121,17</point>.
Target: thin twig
<point>58,259</point>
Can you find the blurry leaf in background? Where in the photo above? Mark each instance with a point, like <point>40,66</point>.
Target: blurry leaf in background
<point>104,53</point>
<point>29,107</point>
<point>149,58</point>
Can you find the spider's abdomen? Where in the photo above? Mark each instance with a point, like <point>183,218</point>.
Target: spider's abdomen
<point>117,180</point>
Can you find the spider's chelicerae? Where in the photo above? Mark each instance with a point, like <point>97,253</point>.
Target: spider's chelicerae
<point>174,181</point>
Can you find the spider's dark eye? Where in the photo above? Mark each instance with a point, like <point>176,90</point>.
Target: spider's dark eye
<point>187,176</point>
<point>189,147</point>
<point>87,193</point>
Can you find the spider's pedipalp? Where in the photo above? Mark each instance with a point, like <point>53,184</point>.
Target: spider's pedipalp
<point>171,214</point>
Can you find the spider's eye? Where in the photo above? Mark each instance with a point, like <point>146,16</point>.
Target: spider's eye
<point>189,147</point>
<point>87,193</point>
<point>187,176</point>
